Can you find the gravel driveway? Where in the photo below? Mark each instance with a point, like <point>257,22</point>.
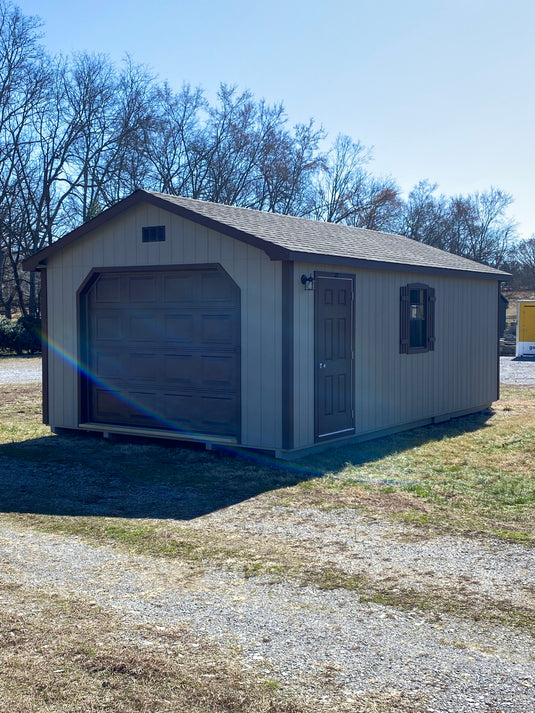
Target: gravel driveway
<point>517,370</point>
<point>301,635</point>
<point>19,370</point>
<point>327,645</point>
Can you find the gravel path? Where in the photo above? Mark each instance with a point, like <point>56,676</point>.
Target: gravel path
<point>385,552</point>
<point>304,636</point>
<point>20,370</point>
<point>324,644</point>
<point>517,370</point>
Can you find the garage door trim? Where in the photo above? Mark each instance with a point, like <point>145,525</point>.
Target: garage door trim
<point>85,383</point>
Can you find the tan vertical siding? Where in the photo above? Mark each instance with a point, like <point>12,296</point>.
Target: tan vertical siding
<point>118,244</point>
<point>390,390</point>
<point>459,374</point>
<point>393,389</point>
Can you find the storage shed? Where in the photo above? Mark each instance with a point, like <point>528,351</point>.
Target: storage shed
<point>178,318</point>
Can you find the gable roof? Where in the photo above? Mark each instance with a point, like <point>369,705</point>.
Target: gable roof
<point>285,237</point>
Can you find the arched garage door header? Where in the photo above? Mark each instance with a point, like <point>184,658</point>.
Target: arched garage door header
<point>161,349</point>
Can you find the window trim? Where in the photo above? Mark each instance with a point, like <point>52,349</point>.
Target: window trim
<point>153,234</point>
<point>405,318</point>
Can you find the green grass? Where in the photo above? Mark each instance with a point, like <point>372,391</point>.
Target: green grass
<point>472,477</point>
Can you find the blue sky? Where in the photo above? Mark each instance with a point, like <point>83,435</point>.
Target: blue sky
<point>441,89</point>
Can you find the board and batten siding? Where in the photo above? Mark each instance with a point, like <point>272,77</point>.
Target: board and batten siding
<point>392,389</point>
<point>118,244</point>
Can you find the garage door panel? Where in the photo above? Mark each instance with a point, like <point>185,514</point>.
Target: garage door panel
<point>217,329</point>
<point>145,328</point>
<point>180,288</point>
<point>217,289</point>
<point>108,326</point>
<point>180,411</point>
<point>180,328</point>
<point>109,365</point>
<point>142,366</point>
<point>108,289</point>
<point>217,414</point>
<point>109,404</point>
<point>142,408</point>
<point>218,372</point>
<point>143,289</point>
<point>167,353</point>
<point>179,369</point>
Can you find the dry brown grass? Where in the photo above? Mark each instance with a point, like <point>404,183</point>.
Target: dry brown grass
<point>20,401</point>
<point>474,477</point>
<point>66,655</point>
<point>61,655</point>
<point>20,413</point>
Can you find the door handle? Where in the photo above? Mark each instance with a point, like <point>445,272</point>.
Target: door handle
<point>323,364</point>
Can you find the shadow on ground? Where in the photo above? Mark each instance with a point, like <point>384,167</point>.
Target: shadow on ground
<point>87,476</point>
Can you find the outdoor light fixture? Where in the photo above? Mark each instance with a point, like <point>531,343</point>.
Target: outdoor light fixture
<point>307,282</point>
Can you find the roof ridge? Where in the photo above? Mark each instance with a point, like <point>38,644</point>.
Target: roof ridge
<point>288,237</point>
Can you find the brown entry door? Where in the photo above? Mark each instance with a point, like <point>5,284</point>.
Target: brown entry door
<point>334,356</point>
<point>162,349</point>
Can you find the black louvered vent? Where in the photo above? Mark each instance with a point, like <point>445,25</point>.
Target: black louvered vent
<point>153,234</point>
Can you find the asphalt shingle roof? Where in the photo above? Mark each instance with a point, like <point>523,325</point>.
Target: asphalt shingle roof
<point>303,237</point>
<point>286,237</point>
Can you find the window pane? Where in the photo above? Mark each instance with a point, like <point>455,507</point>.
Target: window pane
<point>418,337</point>
<point>417,327</point>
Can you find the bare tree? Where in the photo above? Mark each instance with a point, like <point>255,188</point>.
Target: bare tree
<point>173,142</point>
<point>475,226</point>
<point>132,119</point>
<point>341,182</point>
<point>111,111</point>
<point>424,216</point>
<point>346,191</point>
<point>288,163</point>
<point>481,228</point>
<point>522,262</point>
<point>241,138</point>
<point>22,85</point>
<point>238,151</point>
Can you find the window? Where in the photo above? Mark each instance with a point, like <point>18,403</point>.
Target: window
<point>417,319</point>
<point>153,234</point>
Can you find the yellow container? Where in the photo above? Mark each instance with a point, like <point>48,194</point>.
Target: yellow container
<point>525,328</point>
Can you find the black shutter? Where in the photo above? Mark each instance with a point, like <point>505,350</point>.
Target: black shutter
<point>404,319</point>
<point>431,318</point>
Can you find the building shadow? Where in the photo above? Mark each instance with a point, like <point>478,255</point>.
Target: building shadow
<point>374,450</point>
<point>84,475</point>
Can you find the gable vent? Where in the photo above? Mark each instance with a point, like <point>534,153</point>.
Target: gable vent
<point>153,234</point>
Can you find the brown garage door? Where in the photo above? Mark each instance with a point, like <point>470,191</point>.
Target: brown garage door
<point>163,350</point>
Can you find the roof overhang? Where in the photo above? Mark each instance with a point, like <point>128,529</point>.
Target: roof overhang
<point>38,260</point>
<point>273,251</point>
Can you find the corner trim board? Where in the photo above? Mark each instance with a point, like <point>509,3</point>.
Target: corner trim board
<point>44,346</point>
<point>287,354</point>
